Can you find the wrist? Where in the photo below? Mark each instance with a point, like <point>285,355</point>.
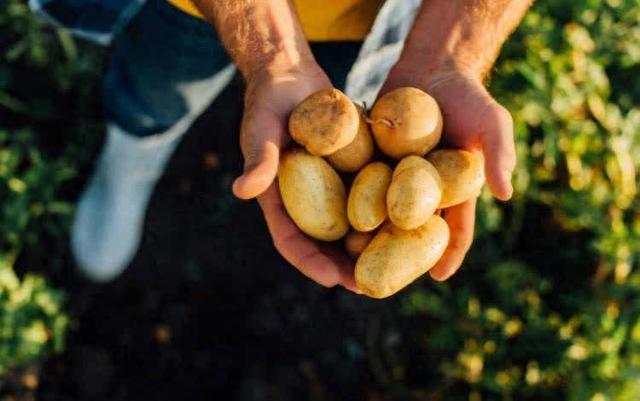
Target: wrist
<point>424,67</point>
<point>428,75</point>
<point>281,66</point>
<point>305,78</point>
<point>261,37</point>
<point>461,37</point>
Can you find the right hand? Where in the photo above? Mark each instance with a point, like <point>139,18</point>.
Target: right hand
<point>269,100</point>
<point>475,121</point>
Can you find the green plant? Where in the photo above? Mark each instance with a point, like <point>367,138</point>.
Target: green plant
<point>46,79</point>
<point>32,322</point>
<point>29,183</point>
<point>547,306</point>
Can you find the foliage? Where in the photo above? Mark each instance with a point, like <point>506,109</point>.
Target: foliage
<point>547,306</point>
<point>34,210</point>
<point>31,205</point>
<point>32,323</point>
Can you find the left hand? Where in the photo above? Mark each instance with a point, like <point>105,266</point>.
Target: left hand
<point>473,121</point>
<point>269,99</point>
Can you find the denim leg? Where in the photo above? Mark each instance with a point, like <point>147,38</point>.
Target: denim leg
<point>167,66</point>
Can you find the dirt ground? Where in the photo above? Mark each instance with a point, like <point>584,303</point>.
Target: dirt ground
<point>208,308</point>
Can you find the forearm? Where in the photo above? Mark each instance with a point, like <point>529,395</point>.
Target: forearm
<point>464,36</point>
<point>260,36</point>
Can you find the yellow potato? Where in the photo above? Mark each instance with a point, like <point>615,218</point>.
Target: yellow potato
<point>462,175</point>
<point>355,242</point>
<point>355,155</point>
<point>324,122</point>
<point>366,206</point>
<point>395,257</point>
<point>313,195</point>
<point>414,193</point>
<point>412,162</point>
<point>406,121</point>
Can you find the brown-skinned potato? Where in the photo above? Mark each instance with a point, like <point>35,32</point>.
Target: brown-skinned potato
<point>357,154</point>
<point>406,121</point>
<point>313,195</point>
<point>366,205</point>
<point>355,242</point>
<point>395,257</point>
<point>324,122</point>
<point>414,193</point>
<point>462,174</point>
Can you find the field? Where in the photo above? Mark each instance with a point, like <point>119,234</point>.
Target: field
<point>546,308</point>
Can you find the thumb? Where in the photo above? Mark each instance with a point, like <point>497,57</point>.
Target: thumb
<point>261,167</point>
<point>499,151</point>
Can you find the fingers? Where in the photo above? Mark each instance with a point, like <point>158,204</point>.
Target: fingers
<point>321,262</point>
<point>461,221</point>
<point>262,135</point>
<point>261,167</point>
<point>499,151</point>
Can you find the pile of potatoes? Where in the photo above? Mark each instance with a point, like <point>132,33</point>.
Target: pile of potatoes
<point>389,215</point>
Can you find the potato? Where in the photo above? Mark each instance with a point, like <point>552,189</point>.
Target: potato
<point>366,206</point>
<point>324,122</point>
<point>313,195</point>
<point>406,121</point>
<point>355,242</point>
<point>411,162</point>
<point>396,257</point>
<point>462,175</point>
<point>355,155</point>
<point>414,193</point>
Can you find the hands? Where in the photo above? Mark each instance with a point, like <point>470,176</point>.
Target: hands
<point>474,121</point>
<point>267,44</point>
<point>268,101</point>
<point>450,48</point>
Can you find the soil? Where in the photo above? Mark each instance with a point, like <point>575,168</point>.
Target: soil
<point>208,308</point>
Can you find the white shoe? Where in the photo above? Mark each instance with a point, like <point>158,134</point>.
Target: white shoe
<point>107,229</point>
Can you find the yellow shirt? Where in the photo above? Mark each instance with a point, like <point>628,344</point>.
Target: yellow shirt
<point>324,20</point>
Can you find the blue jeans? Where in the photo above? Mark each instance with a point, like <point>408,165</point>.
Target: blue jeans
<point>165,64</point>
